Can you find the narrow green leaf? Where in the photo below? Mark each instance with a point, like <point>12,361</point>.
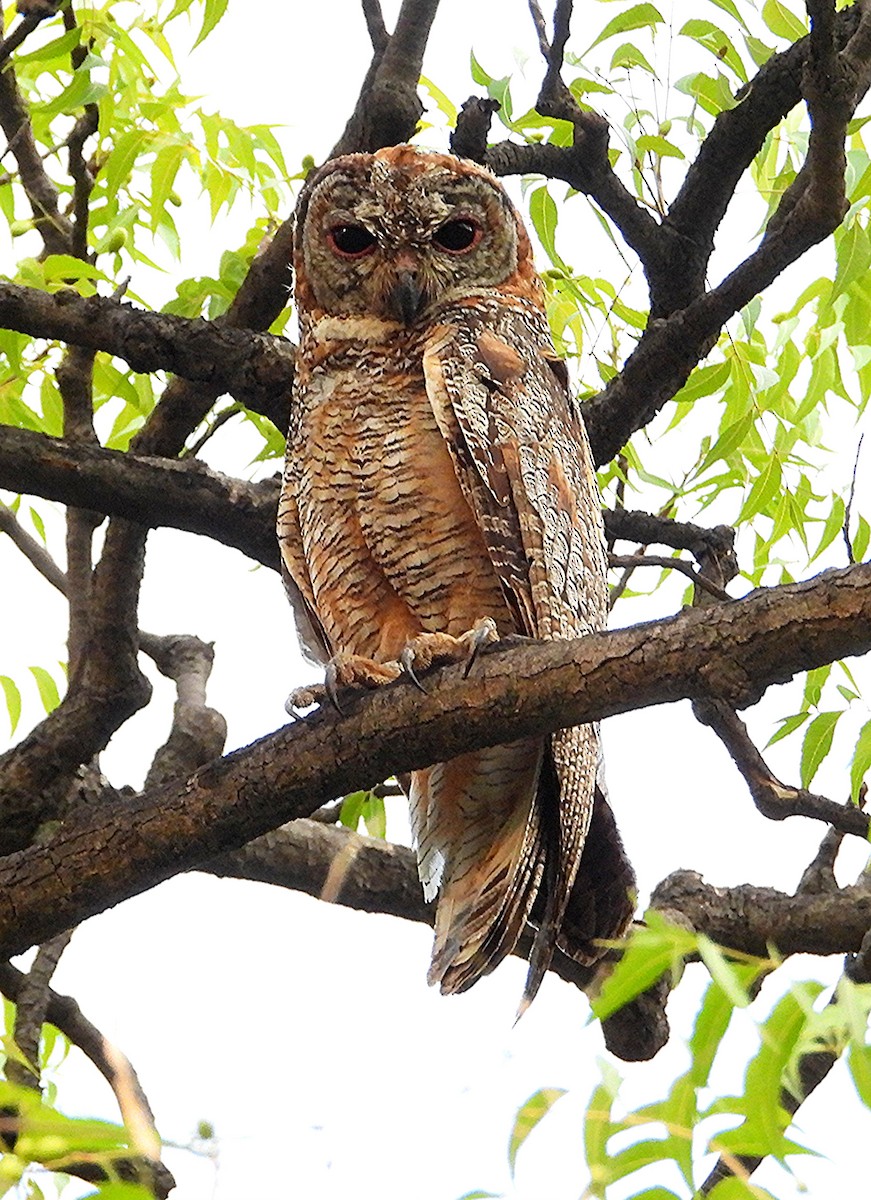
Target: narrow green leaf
<point>536,1107</point>
<point>352,809</point>
<point>13,701</point>
<point>861,761</point>
<point>651,143</point>
<point>653,949</point>
<point>730,978</point>
<point>854,257</point>
<point>640,16</point>
<point>543,212</point>
<point>48,692</point>
<point>215,9</point>
<point>765,487</point>
<point>788,725</point>
<point>598,1129</point>
<point>628,55</point>
<point>782,21</point>
<point>712,38</point>
<point>375,816</point>
<point>859,1062</point>
<point>817,744</point>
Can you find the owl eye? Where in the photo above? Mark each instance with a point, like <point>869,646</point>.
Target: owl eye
<point>351,241</point>
<point>457,236</point>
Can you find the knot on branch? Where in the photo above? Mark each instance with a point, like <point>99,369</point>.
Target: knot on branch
<point>469,138</point>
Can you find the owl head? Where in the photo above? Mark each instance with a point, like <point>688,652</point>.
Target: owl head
<point>393,233</point>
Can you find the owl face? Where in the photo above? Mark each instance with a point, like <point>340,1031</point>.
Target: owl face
<point>390,234</point>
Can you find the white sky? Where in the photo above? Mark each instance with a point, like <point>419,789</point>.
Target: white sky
<point>305,1033</point>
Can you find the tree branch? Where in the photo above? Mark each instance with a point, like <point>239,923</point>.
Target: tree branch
<point>256,368</point>
<point>389,108</point>
<point>774,799</point>
<point>64,1013</point>
<point>153,491</point>
<point>732,651</point>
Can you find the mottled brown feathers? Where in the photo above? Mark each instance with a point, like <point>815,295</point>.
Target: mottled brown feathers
<point>437,474</point>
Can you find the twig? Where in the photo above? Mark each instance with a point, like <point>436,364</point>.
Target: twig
<point>774,799</point>
<point>64,1013</point>
<point>32,550</point>
<point>211,429</point>
<point>819,875</point>
<point>21,31</point>
<point>30,1011</point>
<point>674,564</point>
<point>378,34</point>
<point>848,509</point>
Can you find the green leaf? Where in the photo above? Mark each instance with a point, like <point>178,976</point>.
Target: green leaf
<point>543,212</point>
<point>352,809</point>
<point>163,172</point>
<point>48,692</point>
<point>215,9</point>
<point>652,143</point>
<point>854,257</point>
<point>788,725</point>
<point>375,816</point>
<point>640,16</point>
<point>817,744</point>
<point>729,977</point>
<point>859,1062</point>
<point>528,1116</point>
<point>708,35</point>
<point>598,1129</point>
<point>782,21</point>
<point>861,761</point>
<point>13,701</point>
<point>765,487</point>
<point>653,949</point>
<point>630,56</point>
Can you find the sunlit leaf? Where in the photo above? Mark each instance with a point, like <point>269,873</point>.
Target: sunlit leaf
<point>13,701</point>
<point>639,16</point>
<point>528,1116</point>
<point>817,744</point>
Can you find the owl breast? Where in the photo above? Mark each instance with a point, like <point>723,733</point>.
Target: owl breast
<point>391,545</point>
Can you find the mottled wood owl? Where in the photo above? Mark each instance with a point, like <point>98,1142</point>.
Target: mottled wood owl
<point>438,493</point>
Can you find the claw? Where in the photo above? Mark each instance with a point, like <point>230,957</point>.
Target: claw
<point>483,634</point>
<point>406,660</point>
<point>331,687</point>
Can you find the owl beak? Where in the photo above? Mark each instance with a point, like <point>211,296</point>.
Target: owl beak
<point>406,297</point>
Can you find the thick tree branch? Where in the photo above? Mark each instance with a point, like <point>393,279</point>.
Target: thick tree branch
<point>256,368</point>
<point>153,491</point>
<point>389,108</point>
<point>732,651</point>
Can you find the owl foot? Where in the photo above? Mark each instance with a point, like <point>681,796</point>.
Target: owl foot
<point>434,649</point>
<point>344,672</point>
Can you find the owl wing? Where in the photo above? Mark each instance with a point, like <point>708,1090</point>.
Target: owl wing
<point>501,400</point>
<point>297,585</point>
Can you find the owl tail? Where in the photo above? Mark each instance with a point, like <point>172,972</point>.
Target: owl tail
<point>479,844</point>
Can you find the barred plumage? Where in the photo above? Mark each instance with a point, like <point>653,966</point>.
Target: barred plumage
<point>437,474</point>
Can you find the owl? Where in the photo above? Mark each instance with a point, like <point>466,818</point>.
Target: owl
<point>438,494</point>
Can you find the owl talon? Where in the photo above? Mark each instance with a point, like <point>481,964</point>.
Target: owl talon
<point>406,660</point>
<point>302,698</point>
<point>331,686</point>
<point>483,633</point>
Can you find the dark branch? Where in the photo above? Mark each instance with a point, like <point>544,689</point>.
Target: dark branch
<point>774,799</point>
<point>152,491</point>
<point>256,368</point>
<point>389,108</point>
